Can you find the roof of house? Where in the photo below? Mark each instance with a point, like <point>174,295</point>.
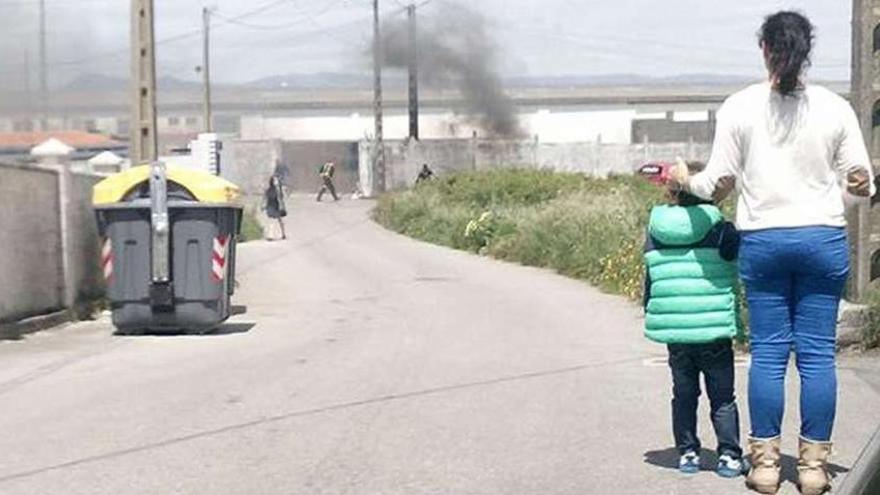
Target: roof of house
<point>74,139</point>
<point>106,158</point>
<point>51,147</point>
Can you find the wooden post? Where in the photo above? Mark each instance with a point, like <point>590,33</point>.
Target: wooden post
<point>379,145</point>
<point>144,146</point>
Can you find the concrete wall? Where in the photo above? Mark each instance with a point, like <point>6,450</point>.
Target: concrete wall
<point>35,278</point>
<point>250,164</point>
<point>614,125</point>
<point>303,158</point>
<point>82,245</point>
<point>405,158</point>
<point>673,130</point>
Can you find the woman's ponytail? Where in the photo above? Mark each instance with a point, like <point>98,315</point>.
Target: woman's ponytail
<point>788,39</point>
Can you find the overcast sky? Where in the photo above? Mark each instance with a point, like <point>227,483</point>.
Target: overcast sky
<point>534,37</point>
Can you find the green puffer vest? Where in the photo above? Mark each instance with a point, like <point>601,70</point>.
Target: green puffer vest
<point>693,290</point>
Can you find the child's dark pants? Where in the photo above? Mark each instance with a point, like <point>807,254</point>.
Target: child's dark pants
<point>715,362</point>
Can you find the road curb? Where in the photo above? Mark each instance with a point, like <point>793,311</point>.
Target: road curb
<point>18,329</point>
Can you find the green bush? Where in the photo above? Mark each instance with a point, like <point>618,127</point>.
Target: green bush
<point>871,333</point>
<point>251,230</point>
<point>591,229</point>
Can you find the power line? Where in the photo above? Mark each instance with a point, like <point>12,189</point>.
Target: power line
<point>313,34</point>
<point>227,20</point>
<point>307,18</point>
<point>171,39</point>
<point>34,3</point>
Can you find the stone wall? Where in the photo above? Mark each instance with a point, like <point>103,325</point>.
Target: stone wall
<point>405,158</point>
<point>249,164</point>
<point>50,259</point>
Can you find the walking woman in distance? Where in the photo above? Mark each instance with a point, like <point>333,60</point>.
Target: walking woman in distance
<point>797,154</point>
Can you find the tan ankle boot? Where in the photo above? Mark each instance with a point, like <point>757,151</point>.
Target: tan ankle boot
<point>764,475</point>
<point>812,474</point>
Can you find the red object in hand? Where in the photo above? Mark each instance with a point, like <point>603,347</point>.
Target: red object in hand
<point>656,172</point>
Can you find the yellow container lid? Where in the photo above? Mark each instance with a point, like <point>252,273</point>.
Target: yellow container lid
<point>206,187</point>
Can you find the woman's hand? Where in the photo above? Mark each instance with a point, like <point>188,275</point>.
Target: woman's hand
<point>723,188</point>
<point>858,182</point>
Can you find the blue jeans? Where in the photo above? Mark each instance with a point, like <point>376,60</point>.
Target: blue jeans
<point>715,362</point>
<point>794,279</point>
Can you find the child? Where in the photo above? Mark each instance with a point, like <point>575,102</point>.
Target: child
<point>690,305</point>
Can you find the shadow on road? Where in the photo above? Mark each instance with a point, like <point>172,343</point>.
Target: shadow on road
<point>668,459</point>
<point>232,329</point>
<point>224,329</point>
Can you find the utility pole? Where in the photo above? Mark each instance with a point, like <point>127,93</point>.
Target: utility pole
<point>144,146</point>
<point>413,73</point>
<point>206,68</point>
<point>865,99</point>
<point>379,147</point>
<point>44,71</point>
<point>28,95</point>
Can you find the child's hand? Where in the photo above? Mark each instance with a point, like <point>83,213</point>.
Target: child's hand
<point>723,188</point>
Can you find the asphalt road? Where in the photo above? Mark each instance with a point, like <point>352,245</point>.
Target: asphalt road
<point>371,364</point>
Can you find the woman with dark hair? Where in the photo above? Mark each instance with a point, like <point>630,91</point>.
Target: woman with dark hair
<point>797,153</point>
<point>274,206</point>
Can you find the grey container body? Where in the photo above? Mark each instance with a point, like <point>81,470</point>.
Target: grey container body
<point>201,299</point>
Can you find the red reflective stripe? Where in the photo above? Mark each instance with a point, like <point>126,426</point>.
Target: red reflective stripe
<point>107,260</point>
<point>218,258</point>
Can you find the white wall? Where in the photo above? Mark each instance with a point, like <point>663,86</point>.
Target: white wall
<point>613,126</point>
<point>405,158</point>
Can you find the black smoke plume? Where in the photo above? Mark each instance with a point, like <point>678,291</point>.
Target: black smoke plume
<point>454,50</point>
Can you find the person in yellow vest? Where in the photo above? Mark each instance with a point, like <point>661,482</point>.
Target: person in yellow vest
<point>326,172</point>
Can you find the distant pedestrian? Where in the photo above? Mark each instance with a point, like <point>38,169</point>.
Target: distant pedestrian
<point>425,174</point>
<point>275,207</point>
<point>326,172</point>
<point>690,305</point>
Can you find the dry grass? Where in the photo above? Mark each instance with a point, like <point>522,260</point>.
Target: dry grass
<point>590,229</point>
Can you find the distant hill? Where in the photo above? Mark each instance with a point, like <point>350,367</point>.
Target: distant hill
<point>625,80</point>
<point>309,81</point>
<point>396,79</point>
<point>98,82</point>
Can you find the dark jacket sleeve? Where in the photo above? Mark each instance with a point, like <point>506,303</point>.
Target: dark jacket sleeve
<point>728,243</point>
<point>646,292</point>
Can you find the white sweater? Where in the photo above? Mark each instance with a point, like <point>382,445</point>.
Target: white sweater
<point>789,155</point>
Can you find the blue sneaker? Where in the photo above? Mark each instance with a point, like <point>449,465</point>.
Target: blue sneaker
<point>689,463</point>
<point>728,467</point>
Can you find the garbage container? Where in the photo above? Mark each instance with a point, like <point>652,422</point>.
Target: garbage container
<point>169,243</point>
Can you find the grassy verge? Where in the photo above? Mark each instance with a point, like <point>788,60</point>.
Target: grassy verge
<point>251,230</point>
<point>871,333</point>
<point>590,229</point>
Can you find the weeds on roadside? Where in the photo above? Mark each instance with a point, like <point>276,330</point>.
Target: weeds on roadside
<point>591,229</point>
<point>251,230</point>
<point>871,332</point>
<point>585,228</point>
